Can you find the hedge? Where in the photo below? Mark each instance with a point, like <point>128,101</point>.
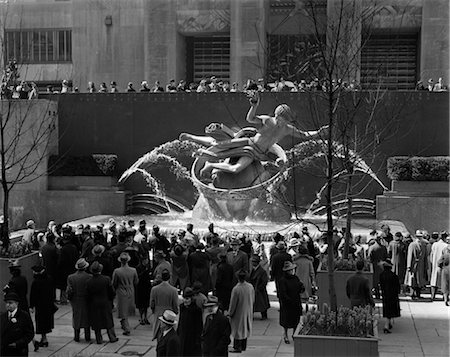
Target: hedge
<point>403,168</point>
<point>92,165</point>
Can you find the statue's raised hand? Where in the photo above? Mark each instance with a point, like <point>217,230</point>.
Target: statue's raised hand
<point>254,98</point>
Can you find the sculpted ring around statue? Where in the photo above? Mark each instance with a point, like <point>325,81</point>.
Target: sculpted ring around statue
<point>239,159</point>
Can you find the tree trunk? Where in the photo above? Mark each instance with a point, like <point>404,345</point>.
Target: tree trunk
<point>348,225</point>
<point>4,234</point>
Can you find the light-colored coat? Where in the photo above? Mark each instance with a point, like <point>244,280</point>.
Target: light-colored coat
<point>241,310</point>
<point>437,249</point>
<point>305,272</point>
<point>124,281</point>
<point>415,271</point>
<point>162,297</point>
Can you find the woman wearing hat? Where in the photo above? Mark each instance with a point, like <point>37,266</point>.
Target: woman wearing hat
<point>190,325</point>
<point>305,270</point>
<point>42,297</point>
<point>290,289</point>
<point>390,288</point>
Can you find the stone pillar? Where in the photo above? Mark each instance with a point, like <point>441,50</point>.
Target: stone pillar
<point>434,52</point>
<point>248,33</point>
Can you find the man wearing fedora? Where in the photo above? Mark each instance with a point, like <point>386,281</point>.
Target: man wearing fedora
<point>190,325</point>
<point>259,279</point>
<point>216,329</point>
<point>237,258</point>
<point>415,266</point>
<point>357,288</point>
<point>77,294</point>
<point>16,328</point>
<point>278,261</point>
<point>169,342</point>
<point>124,281</point>
<point>100,255</point>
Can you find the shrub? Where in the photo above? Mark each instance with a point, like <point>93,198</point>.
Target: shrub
<point>343,264</point>
<point>356,322</point>
<point>17,250</point>
<point>403,168</point>
<point>93,165</point>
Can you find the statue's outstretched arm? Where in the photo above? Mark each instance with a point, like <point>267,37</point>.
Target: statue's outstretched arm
<point>199,139</point>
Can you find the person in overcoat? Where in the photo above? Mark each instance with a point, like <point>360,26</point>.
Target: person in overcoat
<point>241,312</point>
<point>390,288</point>
<point>180,269</point>
<point>190,326</point>
<point>100,297</point>
<point>49,254</point>
<point>376,254</point>
<point>68,256</point>
<point>100,255</point>
<point>162,297</point>
<point>358,288</point>
<point>213,252</point>
<point>42,301</point>
<point>18,283</point>
<point>143,290</point>
<point>16,328</point>
<point>224,282</point>
<point>278,262</point>
<point>259,279</point>
<point>415,271</point>
<point>437,249</point>
<point>397,253</point>
<point>305,271</point>
<point>444,263</point>
<point>216,330</point>
<point>160,264</point>
<point>199,265</point>
<point>169,343</point>
<point>290,289</point>
<point>124,281</point>
<point>77,294</point>
<point>237,259</point>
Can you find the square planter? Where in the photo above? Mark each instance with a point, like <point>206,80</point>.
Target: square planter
<point>340,283</point>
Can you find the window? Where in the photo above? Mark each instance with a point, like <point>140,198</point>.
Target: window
<point>39,46</point>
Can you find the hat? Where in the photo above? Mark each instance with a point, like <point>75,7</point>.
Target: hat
<point>30,223</point>
<point>211,301</point>
<point>155,227</point>
<point>168,317</point>
<point>197,286</point>
<point>111,221</point>
<point>65,82</point>
<point>12,296</point>
<point>142,222</point>
<point>113,83</point>
<point>96,268</point>
<point>281,245</point>
<point>256,259</point>
<point>305,228</point>
<point>419,233</point>
<point>124,257</point>
<point>294,242</point>
<point>444,234</point>
<point>242,273</point>
<point>288,266</point>
<point>98,249</point>
<point>188,292</point>
<point>14,264</point>
<point>81,264</point>
<point>236,241</point>
<point>398,234</point>
<point>38,269</point>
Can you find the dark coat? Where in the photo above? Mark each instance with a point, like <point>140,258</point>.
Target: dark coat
<point>390,288</point>
<point>42,297</point>
<point>77,294</point>
<point>377,253</point>
<point>106,260</point>
<point>50,259</point>
<point>20,285</point>
<point>190,326</point>
<point>216,336</point>
<point>289,290</point>
<point>198,263</point>
<point>239,262</point>
<point>277,264</point>
<point>224,284</point>
<point>169,345</point>
<point>21,332</point>
<point>99,297</point>
<point>143,287</point>
<point>358,290</point>
<point>259,280</point>
<point>68,256</point>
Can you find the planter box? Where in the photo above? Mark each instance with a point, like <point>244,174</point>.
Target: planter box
<point>340,283</point>
<point>320,346</point>
<point>26,261</point>
<point>419,188</point>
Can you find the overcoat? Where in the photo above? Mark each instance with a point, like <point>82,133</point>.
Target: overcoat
<point>358,290</point>
<point>241,310</point>
<point>377,253</point>
<point>437,249</point>
<point>445,272</point>
<point>224,284</point>
<point>259,279</point>
<point>143,287</point>
<point>42,297</point>
<point>198,263</point>
<point>163,265</point>
<point>169,345</point>
<point>49,254</point>
<point>106,260</point>
<point>239,261</point>
<point>216,336</point>
<point>68,256</point>
<point>277,264</point>
<point>190,326</point>
<point>20,331</point>
<point>162,297</point>
<point>77,294</point>
<point>415,270</point>
<point>100,296</point>
<point>390,287</point>
<point>289,294</point>
<point>180,270</point>
<point>305,272</point>
<point>20,285</point>
<point>397,252</point>
<point>124,282</point>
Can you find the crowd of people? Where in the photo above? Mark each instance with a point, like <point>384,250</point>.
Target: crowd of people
<point>222,280</point>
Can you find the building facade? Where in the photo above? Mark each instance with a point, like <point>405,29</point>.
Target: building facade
<point>135,40</point>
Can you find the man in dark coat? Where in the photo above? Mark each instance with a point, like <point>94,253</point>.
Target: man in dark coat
<point>237,259</point>
<point>216,330</point>
<point>16,328</point>
<point>100,255</point>
<point>190,326</point>
<point>159,241</point>
<point>100,295</point>
<point>68,256</point>
<point>224,282</point>
<point>358,290</point>
<point>120,247</point>
<point>18,284</point>
<point>259,280</point>
<point>199,264</point>
<point>49,254</point>
<point>376,254</point>
<point>277,262</point>
<point>169,342</point>
<point>77,294</point>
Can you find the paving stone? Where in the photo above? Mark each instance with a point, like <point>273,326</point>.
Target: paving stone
<point>134,348</point>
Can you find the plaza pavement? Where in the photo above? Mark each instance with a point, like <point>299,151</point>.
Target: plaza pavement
<point>423,330</point>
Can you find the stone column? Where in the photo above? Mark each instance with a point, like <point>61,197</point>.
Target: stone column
<point>248,39</point>
<point>434,52</point>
